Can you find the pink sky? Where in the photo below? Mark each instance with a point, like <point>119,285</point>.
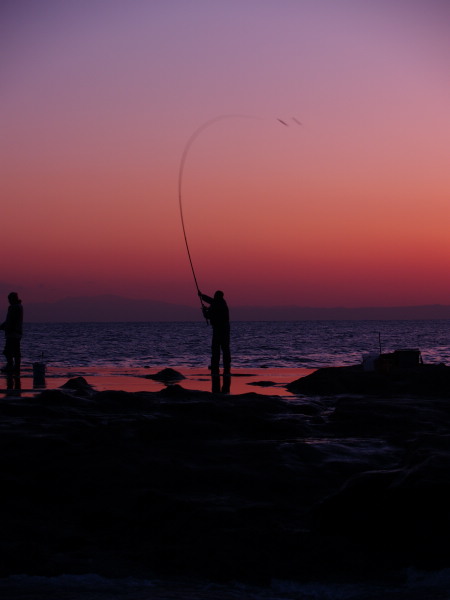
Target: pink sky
<point>351,208</point>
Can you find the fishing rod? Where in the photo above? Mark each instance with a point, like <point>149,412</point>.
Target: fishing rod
<point>184,156</point>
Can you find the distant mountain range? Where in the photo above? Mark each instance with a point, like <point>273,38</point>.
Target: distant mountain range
<point>108,308</point>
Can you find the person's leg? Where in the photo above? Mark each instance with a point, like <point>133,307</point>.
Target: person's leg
<point>215,353</point>
<point>17,357</point>
<point>226,353</point>
<point>9,355</point>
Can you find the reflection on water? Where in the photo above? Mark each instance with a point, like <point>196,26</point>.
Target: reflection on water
<point>138,380</point>
<point>13,384</point>
<point>17,385</point>
<point>226,386</point>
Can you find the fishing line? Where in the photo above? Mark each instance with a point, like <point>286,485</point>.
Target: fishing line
<point>187,147</point>
<point>184,156</point>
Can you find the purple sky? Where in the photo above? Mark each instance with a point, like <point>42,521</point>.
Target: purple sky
<point>351,208</point>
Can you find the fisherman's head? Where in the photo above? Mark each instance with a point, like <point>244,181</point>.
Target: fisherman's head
<point>218,295</point>
<point>13,298</point>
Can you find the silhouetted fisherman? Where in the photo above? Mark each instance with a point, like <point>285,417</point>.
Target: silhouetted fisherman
<point>218,315</point>
<point>13,333</point>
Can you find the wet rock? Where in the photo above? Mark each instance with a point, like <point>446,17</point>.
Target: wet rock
<point>428,380</point>
<point>402,513</point>
<point>166,376</point>
<point>182,483</point>
<point>77,384</point>
<point>263,383</point>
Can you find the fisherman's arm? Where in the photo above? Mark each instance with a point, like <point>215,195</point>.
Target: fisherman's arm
<point>206,298</point>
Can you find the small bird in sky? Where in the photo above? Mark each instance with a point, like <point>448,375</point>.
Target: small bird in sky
<point>293,118</point>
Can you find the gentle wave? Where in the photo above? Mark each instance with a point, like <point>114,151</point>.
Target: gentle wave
<point>310,344</point>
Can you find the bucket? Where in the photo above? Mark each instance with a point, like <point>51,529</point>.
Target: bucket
<point>38,374</point>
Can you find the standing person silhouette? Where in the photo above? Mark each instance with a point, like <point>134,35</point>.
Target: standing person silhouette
<point>218,315</point>
<point>13,333</point>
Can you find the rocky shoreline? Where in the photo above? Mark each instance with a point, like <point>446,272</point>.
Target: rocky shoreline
<point>423,380</point>
<point>245,487</point>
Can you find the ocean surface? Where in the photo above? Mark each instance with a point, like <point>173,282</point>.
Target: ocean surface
<point>309,344</point>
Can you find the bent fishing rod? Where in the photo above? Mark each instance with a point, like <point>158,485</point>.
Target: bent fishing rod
<point>187,147</point>
<point>186,150</point>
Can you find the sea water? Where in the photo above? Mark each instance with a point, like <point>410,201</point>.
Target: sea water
<point>254,344</point>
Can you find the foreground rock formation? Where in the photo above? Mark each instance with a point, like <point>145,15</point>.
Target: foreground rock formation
<point>243,487</point>
<point>424,380</point>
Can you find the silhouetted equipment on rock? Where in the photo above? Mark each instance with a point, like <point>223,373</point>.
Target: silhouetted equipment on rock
<point>399,359</point>
<point>401,372</point>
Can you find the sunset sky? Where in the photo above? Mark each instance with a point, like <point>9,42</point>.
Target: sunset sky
<point>350,208</point>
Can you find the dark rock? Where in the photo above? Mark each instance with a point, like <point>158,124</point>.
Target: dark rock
<point>77,384</point>
<point>251,487</point>
<point>166,376</point>
<point>403,513</point>
<point>429,380</point>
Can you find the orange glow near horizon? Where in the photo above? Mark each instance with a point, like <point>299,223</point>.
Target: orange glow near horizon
<point>350,208</point>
